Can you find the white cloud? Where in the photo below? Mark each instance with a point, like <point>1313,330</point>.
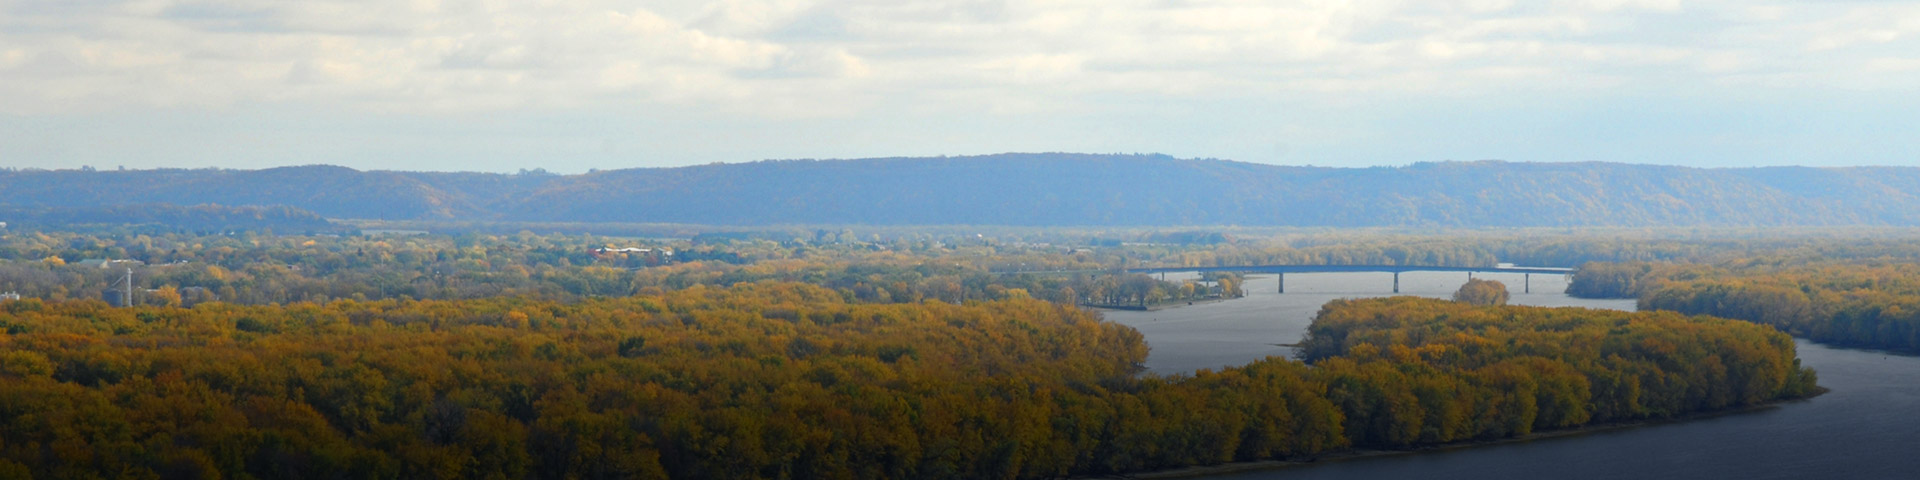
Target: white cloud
<point>788,58</point>
<point>1619,5</point>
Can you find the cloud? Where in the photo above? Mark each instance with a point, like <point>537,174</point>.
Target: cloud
<point>808,58</point>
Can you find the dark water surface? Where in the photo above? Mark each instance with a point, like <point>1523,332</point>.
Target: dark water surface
<point>1867,427</point>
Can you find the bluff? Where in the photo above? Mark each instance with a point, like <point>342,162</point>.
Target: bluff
<point>1037,189</point>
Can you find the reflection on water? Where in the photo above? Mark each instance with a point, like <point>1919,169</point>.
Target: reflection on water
<point>1868,427</point>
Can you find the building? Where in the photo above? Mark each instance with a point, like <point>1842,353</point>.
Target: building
<point>604,251</point>
<point>105,262</point>
<point>117,297</point>
<point>9,296</point>
<point>393,232</point>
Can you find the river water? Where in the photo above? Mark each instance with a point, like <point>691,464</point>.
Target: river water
<point>1867,427</point>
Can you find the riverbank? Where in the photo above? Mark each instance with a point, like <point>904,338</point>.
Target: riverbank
<point>1262,323</point>
<point>1358,454</point>
<point>1158,306</point>
<point>1859,430</point>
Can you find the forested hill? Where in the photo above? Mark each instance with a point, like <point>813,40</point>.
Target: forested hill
<point>1037,189</point>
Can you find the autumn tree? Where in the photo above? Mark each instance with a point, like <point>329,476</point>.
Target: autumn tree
<point>1482,292</point>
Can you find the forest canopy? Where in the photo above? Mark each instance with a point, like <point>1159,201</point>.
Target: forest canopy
<point>786,380</point>
<point>1857,302</point>
<point>877,265</point>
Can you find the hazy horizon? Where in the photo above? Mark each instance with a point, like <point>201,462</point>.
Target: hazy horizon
<point>435,85</point>
<point>538,169</point>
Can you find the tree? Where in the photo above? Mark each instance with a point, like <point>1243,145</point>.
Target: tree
<point>166,296</point>
<point>1482,292</point>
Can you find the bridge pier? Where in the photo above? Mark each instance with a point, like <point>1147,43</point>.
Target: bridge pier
<point>1282,276</point>
<point>1396,282</point>
<point>1526,284</point>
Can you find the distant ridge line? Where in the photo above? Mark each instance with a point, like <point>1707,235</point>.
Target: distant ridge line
<point>1037,189</point>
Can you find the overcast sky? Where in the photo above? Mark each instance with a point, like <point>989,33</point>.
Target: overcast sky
<point>569,85</point>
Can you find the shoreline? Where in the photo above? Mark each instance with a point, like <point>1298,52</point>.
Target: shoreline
<point>1353,454</point>
<point>1156,307</point>
<point>1361,454</point>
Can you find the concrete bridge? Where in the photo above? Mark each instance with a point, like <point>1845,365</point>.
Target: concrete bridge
<point>1283,270</point>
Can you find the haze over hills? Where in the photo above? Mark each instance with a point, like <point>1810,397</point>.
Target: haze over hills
<point>1036,189</point>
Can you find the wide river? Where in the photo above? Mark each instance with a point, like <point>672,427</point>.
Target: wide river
<point>1867,427</point>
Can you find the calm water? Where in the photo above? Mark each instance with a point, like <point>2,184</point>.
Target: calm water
<point>1868,427</point>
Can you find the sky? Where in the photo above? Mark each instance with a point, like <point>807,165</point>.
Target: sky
<point>573,85</point>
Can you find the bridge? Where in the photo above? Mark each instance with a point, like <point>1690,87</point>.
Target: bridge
<point>1396,270</point>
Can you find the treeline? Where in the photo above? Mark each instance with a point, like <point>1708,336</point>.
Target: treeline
<point>782,380</point>
<point>166,218</point>
<point>253,267</point>
<point>1473,248</point>
<point>1412,370</point>
<point>1137,290</point>
<point>1855,303</point>
<point>257,268</point>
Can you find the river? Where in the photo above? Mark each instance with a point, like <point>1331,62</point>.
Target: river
<point>1867,427</point>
